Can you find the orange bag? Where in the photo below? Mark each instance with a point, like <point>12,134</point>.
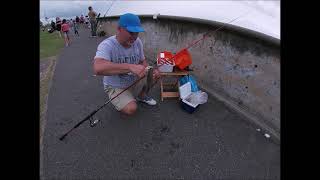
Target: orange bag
<point>183,59</point>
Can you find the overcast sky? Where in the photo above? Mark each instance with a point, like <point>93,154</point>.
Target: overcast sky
<point>70,8</point>
<point>263,15</point>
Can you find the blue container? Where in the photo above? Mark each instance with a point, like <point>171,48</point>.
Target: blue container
<point>185,92</point>
<point>187,107</point>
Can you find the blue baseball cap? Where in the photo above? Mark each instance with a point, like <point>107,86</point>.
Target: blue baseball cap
<point>131,22</point>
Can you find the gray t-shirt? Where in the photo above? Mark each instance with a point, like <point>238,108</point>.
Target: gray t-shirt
<point>110,49</point>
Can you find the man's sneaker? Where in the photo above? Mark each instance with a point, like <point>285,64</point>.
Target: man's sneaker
<point>147,100</point>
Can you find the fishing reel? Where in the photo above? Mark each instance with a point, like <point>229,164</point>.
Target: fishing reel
<point>93,121</point>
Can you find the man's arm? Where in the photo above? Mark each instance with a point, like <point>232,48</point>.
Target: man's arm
<point>144,63</point>
<point>106,68</point>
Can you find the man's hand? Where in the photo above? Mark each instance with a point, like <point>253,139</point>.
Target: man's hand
<point>156,74</point>
<point>138,69</point>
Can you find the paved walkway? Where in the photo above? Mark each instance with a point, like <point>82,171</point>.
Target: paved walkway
<point>161,142</point>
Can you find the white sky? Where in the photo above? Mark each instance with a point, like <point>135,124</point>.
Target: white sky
<point>262,15</point>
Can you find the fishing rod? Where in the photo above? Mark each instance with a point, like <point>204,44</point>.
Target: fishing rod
<point>206,34</point>
<point>148,86</point>
<point>109,8</point>
<point>99,27</point>
<point>95,111</point>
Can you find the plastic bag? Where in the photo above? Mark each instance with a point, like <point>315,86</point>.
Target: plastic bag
<point>189,78</point>
<point>198,97</point>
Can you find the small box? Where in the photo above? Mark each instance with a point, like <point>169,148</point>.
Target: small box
<point>165,62</point>
<point>165,66</point>
<point>185,95</point>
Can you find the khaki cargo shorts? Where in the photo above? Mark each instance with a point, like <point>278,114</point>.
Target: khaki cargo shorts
<point>126,97</point>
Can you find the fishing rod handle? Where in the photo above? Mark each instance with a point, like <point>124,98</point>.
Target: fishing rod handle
<point>79,123</point>
<point>62,137</point>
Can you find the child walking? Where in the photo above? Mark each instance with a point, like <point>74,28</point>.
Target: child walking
<point>65,29</point>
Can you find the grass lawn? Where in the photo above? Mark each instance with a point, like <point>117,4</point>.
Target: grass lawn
<point>50,44</point>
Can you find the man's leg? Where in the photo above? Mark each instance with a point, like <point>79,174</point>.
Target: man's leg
<point>95,28</point>
<point>91,28</point>
<point>130,108</point>
<point>59,33</point>
<point>124,103</point>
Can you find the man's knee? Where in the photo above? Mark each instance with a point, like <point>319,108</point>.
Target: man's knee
<point>130,108</point>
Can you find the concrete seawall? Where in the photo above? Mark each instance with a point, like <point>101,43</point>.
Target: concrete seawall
<point>237,66</point>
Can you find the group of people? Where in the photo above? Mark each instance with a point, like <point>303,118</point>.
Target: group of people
<point>64,26</point>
